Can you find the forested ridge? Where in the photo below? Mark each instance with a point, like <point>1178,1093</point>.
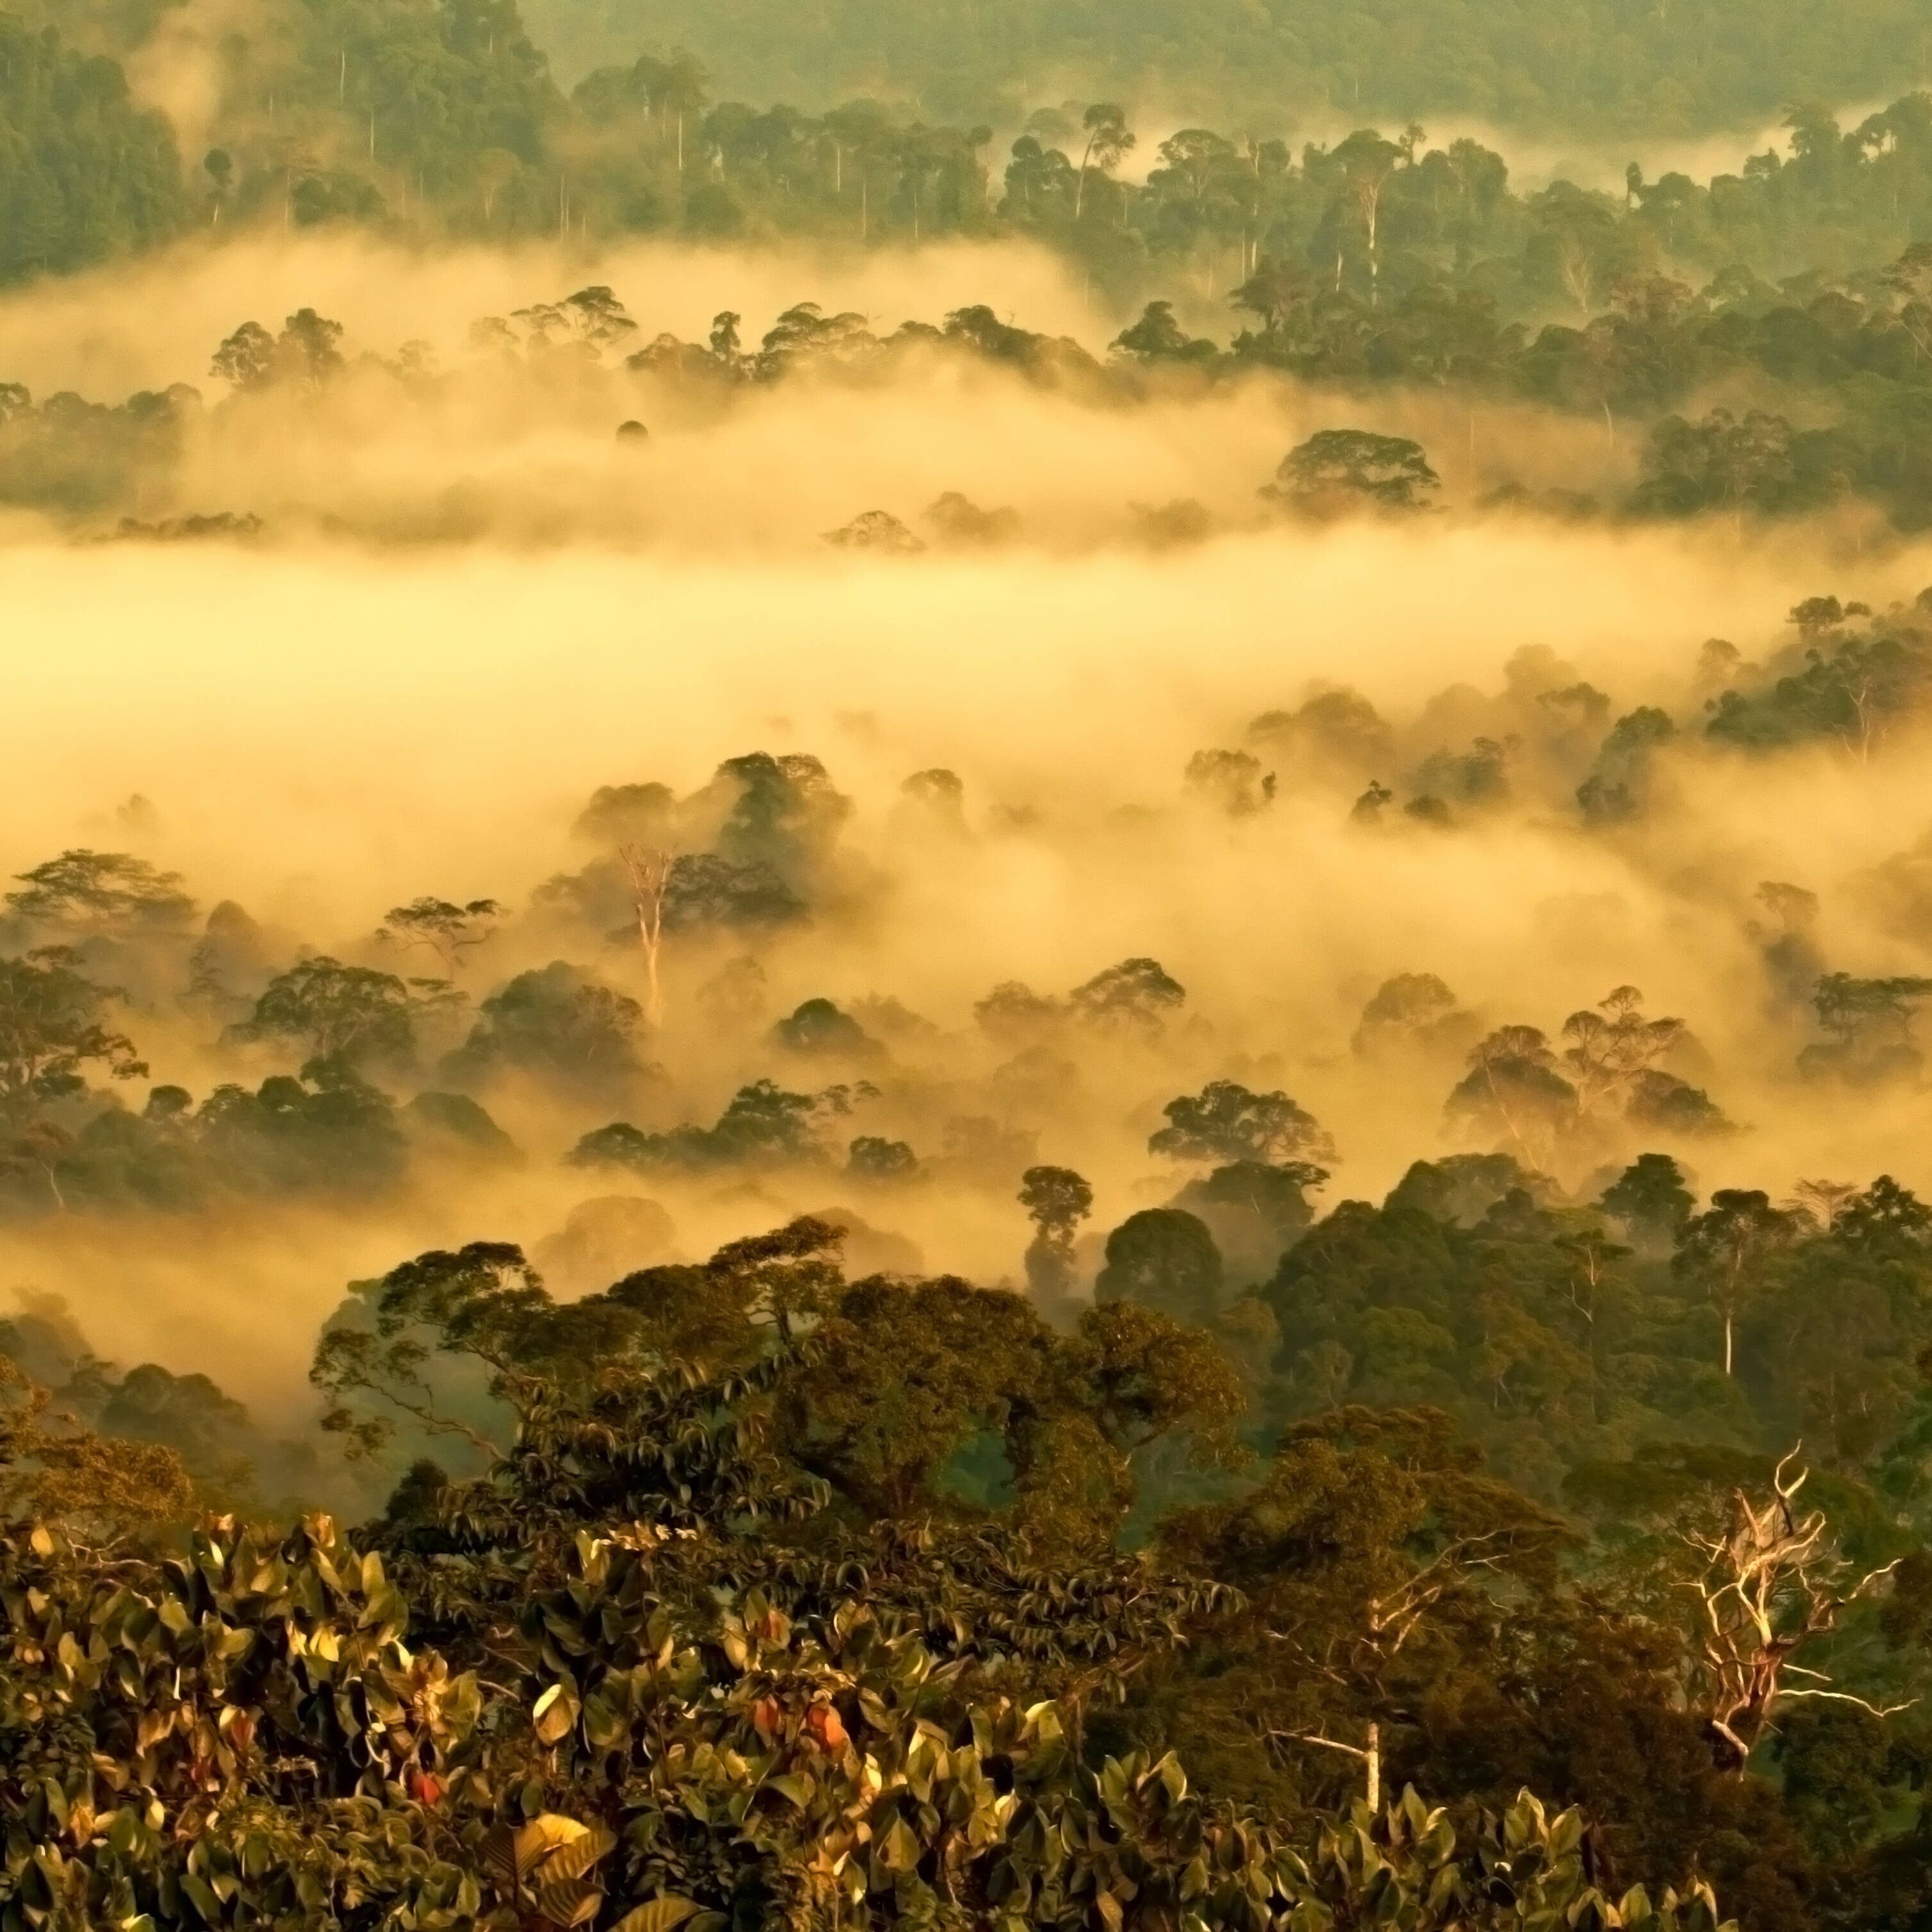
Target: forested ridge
<point>429,120</point>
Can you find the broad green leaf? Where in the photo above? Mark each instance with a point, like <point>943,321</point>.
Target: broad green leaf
<point>555,1713</point>
<point>540,1837</point>
<point>664,1913</point>
<point>569,1902</point>
<point>898,1850</point>
<point>573,1859</point>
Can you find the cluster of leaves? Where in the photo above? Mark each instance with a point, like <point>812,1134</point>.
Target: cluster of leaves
<point>241,1736</point>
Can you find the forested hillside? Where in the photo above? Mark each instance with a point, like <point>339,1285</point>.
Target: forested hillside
<point>443,120</point>
<point>1589,69</point>
<point>85,171</point>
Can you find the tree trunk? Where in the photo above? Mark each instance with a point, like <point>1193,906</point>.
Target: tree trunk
<point>649,931</point>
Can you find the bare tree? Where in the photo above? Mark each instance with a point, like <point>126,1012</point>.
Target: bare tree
<point>649,872</point>
<point>1771,1583</point>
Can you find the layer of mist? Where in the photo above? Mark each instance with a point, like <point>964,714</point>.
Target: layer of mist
<point>320,733</point>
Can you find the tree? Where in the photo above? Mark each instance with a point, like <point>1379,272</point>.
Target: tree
<point>640,816</point>
<point>55,1472</point>
<point>447,930</point>
<point>1651,1201</point>
<point>308,351</point>
<point>649,872</point>
<point>1163,1259</point>
<point>1760,462</point>
<point>557,1024</point>
<point>51,1030</point>
<point>1143,1374</point>
<point>873,1158</point>
<point>350,1013</point>
<point>1365,1552</point>
<point>1136,996</point>
<point>1256,1211</point>
<point>484,1301</point>
<point>903,1375</point>
<point>1612,1047</point>
<point>1617,786</point>
<point>98,174</point>
<point>1724,1248</point>
<point>1769,1583</point>
<point>306,355</point>
<point>109,892</point>
<point>1870,1023</point>
<point>1512,1083</point>
<point>762,1125</point>
<point>1368,161</point>
<point>1337,471</point>
<point>1233,780</point>
<point>328,1132</point>
<point>1056,1201</point>
<point>1910,279</point>
<point>591,321</point>
<point>704,889</point>
<point>683,86</point>
<point>1109,141</point>
<point>1225,1123</point>
<point>1158,337</point>
<point>819,1028</point>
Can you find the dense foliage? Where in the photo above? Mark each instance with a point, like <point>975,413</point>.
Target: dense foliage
<point>801,1583</point>
<point>1579,72</point>
<point>672,1655</point>
<point>431,118</point>
<point>1765,340</point>
<point>84,173</point>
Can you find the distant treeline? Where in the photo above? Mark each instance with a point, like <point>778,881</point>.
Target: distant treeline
<point>432,120</point>
<point>1589,69</point>
<point>1586,70</point>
